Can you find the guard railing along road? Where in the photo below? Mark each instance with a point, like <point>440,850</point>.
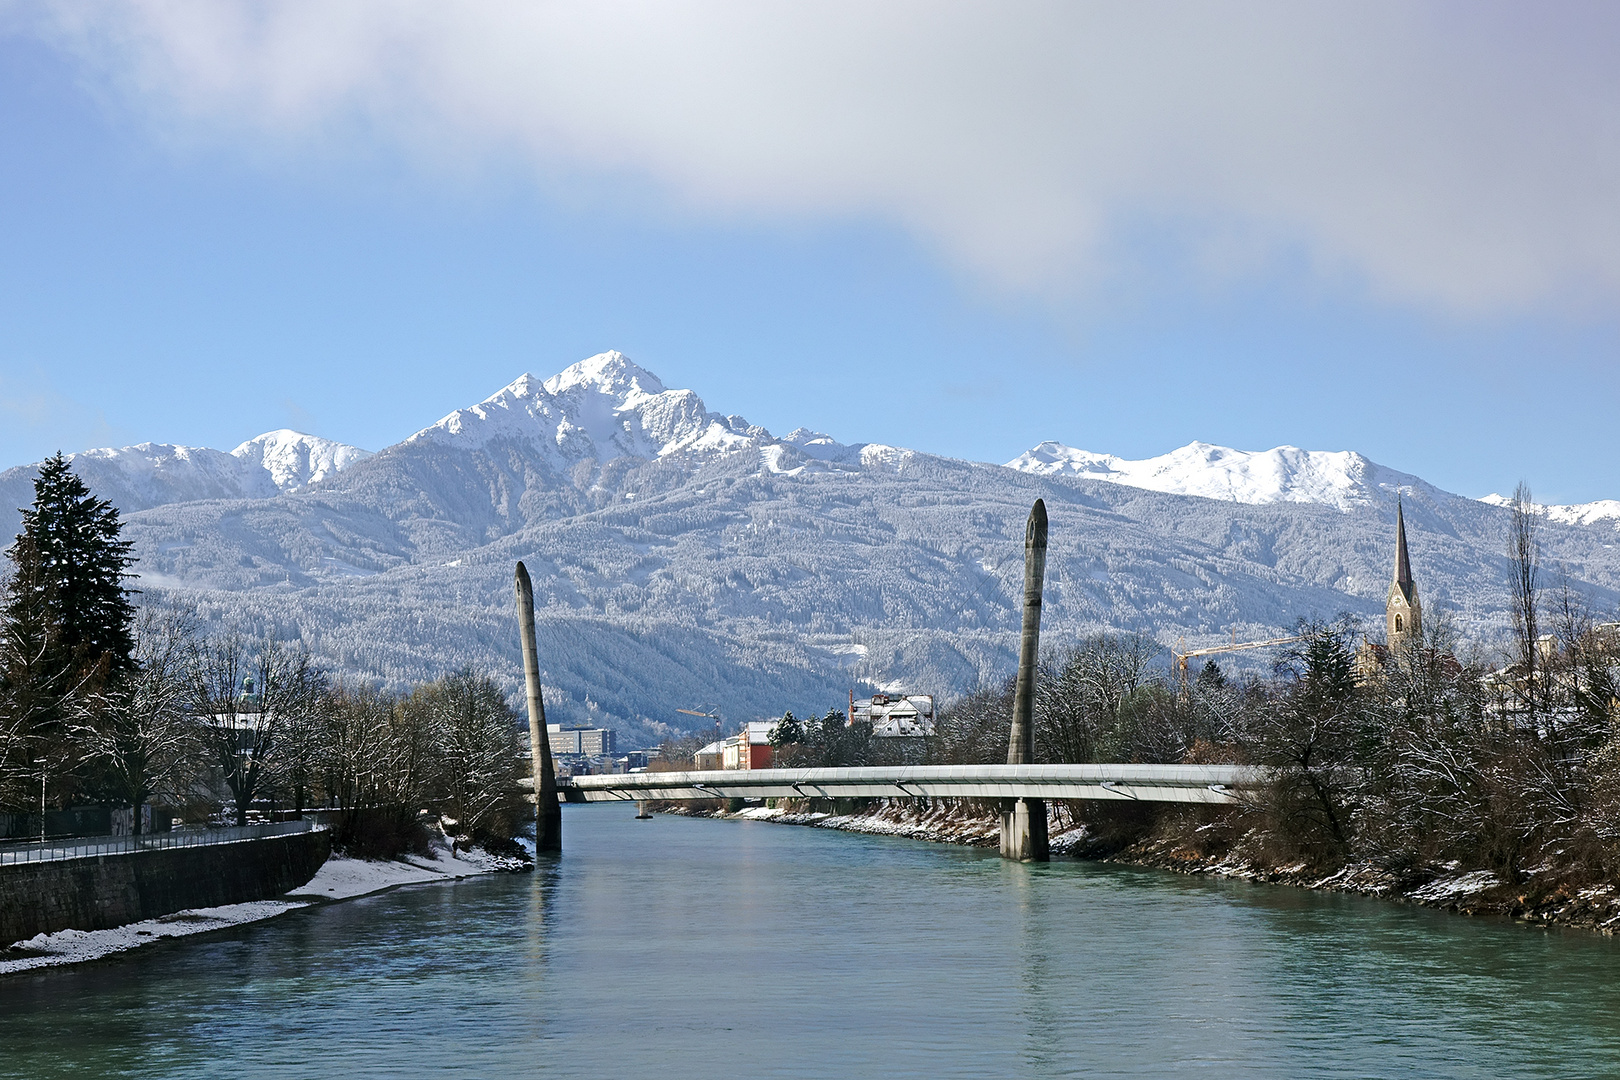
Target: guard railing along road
<point>90,846</point>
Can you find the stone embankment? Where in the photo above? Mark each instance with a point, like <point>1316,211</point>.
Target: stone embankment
<point>103,891</point>
<point>1547,896</point>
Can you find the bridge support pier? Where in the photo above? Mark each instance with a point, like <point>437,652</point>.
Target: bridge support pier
<point>1023,821</point>
<point>1023,830</point>
<point>547,814</point>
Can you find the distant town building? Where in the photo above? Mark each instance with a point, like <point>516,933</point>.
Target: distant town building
<point>750,748</point>
<point>585,741</point>
<point>895,716</point>
<point>710,756</point>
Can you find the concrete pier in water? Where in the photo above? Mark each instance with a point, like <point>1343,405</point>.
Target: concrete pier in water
<point>547,814</point>
<point>1023,820</point>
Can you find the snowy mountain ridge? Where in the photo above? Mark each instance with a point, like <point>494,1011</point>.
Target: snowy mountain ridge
<point>604,407</point>
<point>680,556</point>
<point>1342,479</point>
<point>152,474</point>
<point>1570,514</point>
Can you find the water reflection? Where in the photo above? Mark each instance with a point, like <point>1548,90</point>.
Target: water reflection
<point>682,947</point>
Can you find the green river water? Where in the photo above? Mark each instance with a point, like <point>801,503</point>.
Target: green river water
<point>682,947</point>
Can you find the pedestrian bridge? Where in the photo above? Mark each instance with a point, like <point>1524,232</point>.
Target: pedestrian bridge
<point>1222,784</point>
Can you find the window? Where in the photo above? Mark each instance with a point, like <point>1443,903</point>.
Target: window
<point>1397,624</point>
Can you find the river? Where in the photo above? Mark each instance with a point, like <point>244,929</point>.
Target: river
<point>684,947</point>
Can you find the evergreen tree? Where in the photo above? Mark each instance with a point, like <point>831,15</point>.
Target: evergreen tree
<point>76,577</point>
<point>66,632</point>
<point>787,732</point>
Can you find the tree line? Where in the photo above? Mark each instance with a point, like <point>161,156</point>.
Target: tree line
<point>104,701</point>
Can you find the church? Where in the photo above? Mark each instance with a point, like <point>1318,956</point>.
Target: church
<point>1403,612</point>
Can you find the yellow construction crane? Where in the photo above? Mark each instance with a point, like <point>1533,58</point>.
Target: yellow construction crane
<point>1235,646</point>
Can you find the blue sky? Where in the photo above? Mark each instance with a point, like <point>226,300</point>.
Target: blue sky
<point>352,224</point>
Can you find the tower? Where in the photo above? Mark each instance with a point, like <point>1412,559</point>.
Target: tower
<point>1403,614</point>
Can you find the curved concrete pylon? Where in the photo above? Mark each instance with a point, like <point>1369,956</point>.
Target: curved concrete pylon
<point>1023,821</point>
<point>547,814</point>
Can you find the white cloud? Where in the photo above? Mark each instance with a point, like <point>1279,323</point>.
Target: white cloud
<point>1462,157</point>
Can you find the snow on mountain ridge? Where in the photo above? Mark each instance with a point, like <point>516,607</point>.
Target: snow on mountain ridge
<point>1343,479</point>
<point>1570,514</point>
<point>154,473</point>
<point>295,460</point>
<point>603,407</point>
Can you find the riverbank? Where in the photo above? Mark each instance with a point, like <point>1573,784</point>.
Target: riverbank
<point>339,878</point>
<point>1549,896</point>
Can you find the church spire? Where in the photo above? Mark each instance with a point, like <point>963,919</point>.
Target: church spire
<point>1403,614</point>
<point>1403,561</point>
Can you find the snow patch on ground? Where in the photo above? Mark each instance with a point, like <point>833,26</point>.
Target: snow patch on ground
<point>1443,889</point>
<point>77,946</point>
<point>339,878</point>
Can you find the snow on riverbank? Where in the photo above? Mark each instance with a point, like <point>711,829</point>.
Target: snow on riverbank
<point>1549,896</point>
<point>339,878</point>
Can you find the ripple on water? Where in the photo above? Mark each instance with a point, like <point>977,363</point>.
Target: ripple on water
<point>694,948</point>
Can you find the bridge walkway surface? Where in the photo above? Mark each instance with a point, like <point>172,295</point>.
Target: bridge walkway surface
<point>1148,783</point>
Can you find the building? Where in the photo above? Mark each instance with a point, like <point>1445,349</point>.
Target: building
<point>895,716</point>
<point>583,741</point>
<point>750,748</point>
<point>710,756</point>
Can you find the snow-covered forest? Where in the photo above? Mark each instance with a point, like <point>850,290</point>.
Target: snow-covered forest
<point>682,557</point>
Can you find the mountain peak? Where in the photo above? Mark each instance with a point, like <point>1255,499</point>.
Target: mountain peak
<point>611,373</point>
<point>294,459</point>
<point>604,407</point>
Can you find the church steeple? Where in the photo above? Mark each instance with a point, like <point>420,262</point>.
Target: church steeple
<point>1403,614</point>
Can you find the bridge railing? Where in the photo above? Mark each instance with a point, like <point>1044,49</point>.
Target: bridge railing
<point>92,846</point>
<point>1149,783</point>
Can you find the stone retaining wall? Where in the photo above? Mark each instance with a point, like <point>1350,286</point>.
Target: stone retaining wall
<point>103,891</point>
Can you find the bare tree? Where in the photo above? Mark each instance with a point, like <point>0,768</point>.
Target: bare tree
<point>475,749</point>
<point>378,769</point>
<point>1524,596</point>
<point>142,736</point>
<point>244,697</point>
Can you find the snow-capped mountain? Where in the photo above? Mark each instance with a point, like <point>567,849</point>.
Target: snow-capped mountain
<point>602,408</point>
<point>1342,479</point>
<point>1604,511</point>
<point>294,460</point>
<point>681,556</point>
<point>152,474</point>
<point>160,474</point>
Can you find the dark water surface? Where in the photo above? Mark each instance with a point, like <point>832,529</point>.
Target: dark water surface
<point>695,948</point>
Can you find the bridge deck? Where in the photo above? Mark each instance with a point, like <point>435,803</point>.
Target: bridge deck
<point>1149,783</point>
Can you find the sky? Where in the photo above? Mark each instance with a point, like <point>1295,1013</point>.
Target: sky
<point>962,228</point>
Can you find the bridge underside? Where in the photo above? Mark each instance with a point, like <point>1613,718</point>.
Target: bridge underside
<point>1220,784</point>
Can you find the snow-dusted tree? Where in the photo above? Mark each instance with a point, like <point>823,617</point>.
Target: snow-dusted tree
<point>476,748</point>
<point>142,739</point>
<point>1308,731</point>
